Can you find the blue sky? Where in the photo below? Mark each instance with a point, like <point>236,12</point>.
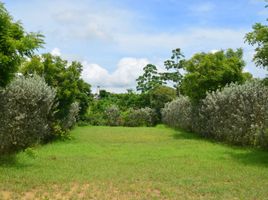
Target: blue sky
<point>115,39</point>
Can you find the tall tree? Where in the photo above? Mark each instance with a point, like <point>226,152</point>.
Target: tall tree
<point>63,76</point>
<point>259,38</point>
<point>149,80</point>
<point>206,72</point>
<point>173,67</point>
<point>159,96</point>
<point>15,44</point>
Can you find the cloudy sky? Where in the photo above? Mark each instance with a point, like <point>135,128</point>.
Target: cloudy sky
<point>115,39</point>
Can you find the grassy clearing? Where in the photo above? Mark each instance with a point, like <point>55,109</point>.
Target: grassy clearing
<point>135,163</point>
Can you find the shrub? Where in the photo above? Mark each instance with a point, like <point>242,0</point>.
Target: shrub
<point>112,116</point>
<point>95,118</point>
<point>26,105</point>
<point>60,128</point>
<point>159,96</point>
<point>238,114</point>
<point>70,120</point>
<point>140,117</point>
<point>178,113</point>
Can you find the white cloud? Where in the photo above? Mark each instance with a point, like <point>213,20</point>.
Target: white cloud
<point>202,8</point>
<point>56,52</point>
<point>194,39</point>
<point>105,28</point>
<point>92,22</point>
<point>124,77</point>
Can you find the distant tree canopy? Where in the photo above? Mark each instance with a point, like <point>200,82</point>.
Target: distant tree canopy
<point>149,80</point>
<point>64,77</point>
<point>15,44</point>
<point>206,72</point>
<point>159,96</point>
<point>259,38</point>
<point>173,67</point>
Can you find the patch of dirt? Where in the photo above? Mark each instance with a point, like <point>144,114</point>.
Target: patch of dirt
<point>5,195</point>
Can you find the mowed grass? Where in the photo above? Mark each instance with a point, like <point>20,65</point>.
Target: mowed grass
<point>135,163</point>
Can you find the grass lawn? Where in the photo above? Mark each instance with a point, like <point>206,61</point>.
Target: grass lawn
<point>135,163</point>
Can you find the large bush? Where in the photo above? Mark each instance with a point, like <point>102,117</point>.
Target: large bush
<point>178,113</point>
<point>26,105</point>
<point>112,116</point>
<point>70,120</point>
<point>159,96</point>
<point>140,117</point>
<point>237,114</point>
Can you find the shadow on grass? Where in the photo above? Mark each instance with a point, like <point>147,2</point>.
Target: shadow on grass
<point>11,161</point>
<point>186,135</point>
<point>251,157</point>
<point>245,155</point>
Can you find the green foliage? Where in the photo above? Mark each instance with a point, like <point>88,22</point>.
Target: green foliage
<point>173,66</point>
<point>104,94</point>
<point>207,72</point>
<point>159,96</point>
<point>237,114</point>
<point>66,79</point>
<point>95,119</point>
<point>25,112</point>
<point>84,98</point>
<point>124,101</point>
<point>259,37</point>
<point>149,80</point>
<point>15,45</point>
<point>70,120</point>
<point>121,110</point>
<point>140,117</point>
<point>178,113</point>
<point>112,116</point>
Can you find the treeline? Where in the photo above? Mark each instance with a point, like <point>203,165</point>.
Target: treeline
<point>41,96</point>
<point>235,114</point>
<point>129,109</point>
<point>217,100</point>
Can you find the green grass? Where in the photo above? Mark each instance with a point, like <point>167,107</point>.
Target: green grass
<point>135,163</point>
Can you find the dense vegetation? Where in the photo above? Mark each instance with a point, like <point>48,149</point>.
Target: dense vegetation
<point>237,114</point>
<point>42,98</point>
<point>15,45</point>
<point>203,83</point>
<point>123,109</point>
<point>218,103</point>
<point>209,93</point>
<point>35,109</point>
<point>26,111</point>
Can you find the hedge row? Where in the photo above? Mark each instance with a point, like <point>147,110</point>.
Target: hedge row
<point>237,114</point>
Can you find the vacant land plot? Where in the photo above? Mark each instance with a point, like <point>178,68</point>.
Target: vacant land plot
<point>135,163</point>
